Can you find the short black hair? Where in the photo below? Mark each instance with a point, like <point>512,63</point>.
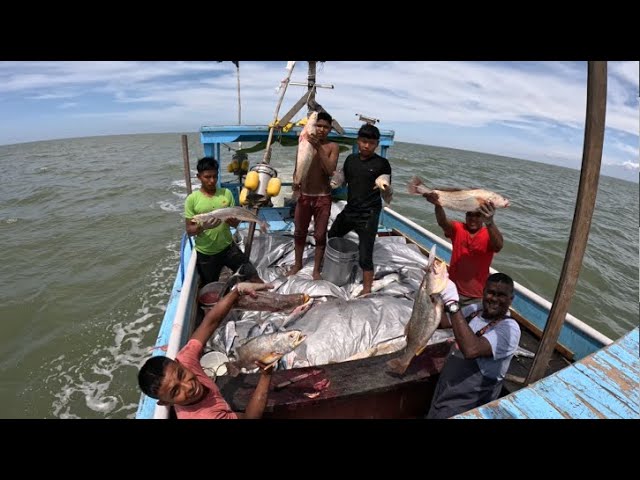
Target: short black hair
<point>151,375</point>
<point>499,277</point>
<point>325,116</point>
<point>207,163</point>
<point>369,131</point>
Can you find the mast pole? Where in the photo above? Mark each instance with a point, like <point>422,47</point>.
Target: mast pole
<point>585,202</point>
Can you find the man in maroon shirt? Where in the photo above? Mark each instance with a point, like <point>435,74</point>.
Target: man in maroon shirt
<point>473,248</point>
<point>183,383</point>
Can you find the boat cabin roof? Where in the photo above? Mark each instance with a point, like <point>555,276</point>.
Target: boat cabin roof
<point>258,133</point>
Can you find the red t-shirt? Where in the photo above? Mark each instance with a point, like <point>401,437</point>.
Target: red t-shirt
<point>213,405</point>
<point>470,260</point>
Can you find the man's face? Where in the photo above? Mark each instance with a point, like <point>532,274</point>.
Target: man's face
<point>209,180</point>
<point>367,146</point>
<point>180,386</point>
<point>473,221</point>
<point>322,129</point>
<point>496,299</point>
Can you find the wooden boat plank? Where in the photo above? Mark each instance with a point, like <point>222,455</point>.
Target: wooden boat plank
<point>602,385</point>
<point>366,379</point>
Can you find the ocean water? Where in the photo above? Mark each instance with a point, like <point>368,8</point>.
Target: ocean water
<point>91,228</point>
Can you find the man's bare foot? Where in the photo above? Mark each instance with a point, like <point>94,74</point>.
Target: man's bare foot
<point>316,275</point>
<point>293,270</point>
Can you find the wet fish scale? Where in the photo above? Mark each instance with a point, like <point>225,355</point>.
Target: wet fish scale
<point>232,212</point>
<point>462,200</point>
<point>425,316</point>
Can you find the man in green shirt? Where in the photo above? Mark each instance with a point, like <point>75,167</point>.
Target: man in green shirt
<point>214,244</point>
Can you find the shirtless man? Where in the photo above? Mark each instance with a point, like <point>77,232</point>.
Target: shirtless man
<point>314,196</point>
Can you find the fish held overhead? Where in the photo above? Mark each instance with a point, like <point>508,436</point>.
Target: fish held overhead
<point>462,200</point>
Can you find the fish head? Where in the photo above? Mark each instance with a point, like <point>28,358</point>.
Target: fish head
<point>293,338</point>
<point>311,121</point>
<point>499,201</point>
<point>438,277</point>
<point>437,274</point>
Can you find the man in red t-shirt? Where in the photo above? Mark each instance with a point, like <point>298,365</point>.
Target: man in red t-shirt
<point>473,248</point>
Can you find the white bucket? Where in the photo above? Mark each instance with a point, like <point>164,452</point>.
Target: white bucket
<point>213,364</point>
<point>340,261</point>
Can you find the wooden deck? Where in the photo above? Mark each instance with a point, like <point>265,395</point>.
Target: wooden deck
<point>604,385</point>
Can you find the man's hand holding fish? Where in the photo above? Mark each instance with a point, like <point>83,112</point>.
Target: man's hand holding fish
<point>487,211</point>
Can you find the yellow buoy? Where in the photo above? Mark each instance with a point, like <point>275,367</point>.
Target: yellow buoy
<point>252,181</point>
<point>273,187</point>
<point>243,196</point>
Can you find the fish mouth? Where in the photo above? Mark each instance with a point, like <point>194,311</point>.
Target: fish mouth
<point>301,338</point>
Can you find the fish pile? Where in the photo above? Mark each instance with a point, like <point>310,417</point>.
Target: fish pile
<point>425,316</point>
<point>462,200</point>
<point>265,349</point>
<point>239,213</point>
<point>306,151</point>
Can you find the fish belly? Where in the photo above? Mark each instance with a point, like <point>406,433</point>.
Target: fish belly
<point>461,202</point>
<point>303,160</point>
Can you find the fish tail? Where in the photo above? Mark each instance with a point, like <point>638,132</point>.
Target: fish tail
<point>399,365</point>
<point>413,185</point>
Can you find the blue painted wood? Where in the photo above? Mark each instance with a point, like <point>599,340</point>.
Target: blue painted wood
<point>605,384</point>
<point>258,133</point>
<point>147,405</point>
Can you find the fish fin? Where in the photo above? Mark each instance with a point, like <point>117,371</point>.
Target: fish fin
<point>233,369</point>
<point>271,358</point>
<point>420,350</point>
<point>413,185</point>
<point>450,189</point>
<point>398,365</point>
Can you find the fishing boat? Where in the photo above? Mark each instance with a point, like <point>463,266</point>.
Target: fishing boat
<point>355,386</point>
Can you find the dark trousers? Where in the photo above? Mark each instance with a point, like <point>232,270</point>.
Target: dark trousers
<point>365,224</point>
<point>209,266</point>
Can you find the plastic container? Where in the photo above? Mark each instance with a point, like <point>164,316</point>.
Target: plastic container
<point>265,173</point>
<point>209,295</point>
<point>213,364</point>
<point>340,261</point>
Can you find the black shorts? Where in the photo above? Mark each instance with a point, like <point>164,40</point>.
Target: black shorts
<point>209,266</point>
<point>365,224</point>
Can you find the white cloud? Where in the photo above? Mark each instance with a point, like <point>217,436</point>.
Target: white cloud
<point>533,110</point>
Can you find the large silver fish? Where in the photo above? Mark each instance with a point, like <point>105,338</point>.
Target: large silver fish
<point>383,183</point>
<point>425,316</point>
<point>265,348</point>
<point>240,213</point>
<point>306,152</point>
<point>462,200</point>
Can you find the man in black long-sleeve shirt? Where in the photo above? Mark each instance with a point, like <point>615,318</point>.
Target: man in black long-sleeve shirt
<point>363,207</point>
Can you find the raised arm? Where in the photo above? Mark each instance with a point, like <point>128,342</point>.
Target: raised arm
<point>258,401</point>
<point>214,316</point>
<point>441,217</point>
<point>495,237</point>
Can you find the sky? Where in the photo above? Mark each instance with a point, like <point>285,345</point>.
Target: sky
<point>528,110</point>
